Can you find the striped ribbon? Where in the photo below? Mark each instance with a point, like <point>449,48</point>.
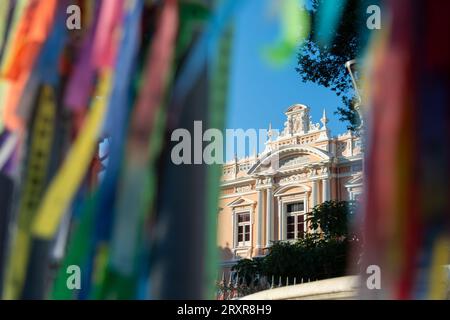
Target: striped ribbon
<point>33,189</point>
<point>63,187</point>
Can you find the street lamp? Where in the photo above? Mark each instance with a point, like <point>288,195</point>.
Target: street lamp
<point>351,67</point>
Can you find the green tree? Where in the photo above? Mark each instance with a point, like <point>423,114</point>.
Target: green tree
<point>324,64</point>
<point>248,269</point>
<point>333,218</point>
<point>319,255</point>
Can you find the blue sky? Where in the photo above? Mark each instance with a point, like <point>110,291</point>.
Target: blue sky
<point>260,93</point>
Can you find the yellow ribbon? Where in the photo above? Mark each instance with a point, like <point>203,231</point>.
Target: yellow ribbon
<point>39,157</point>
<point>3,19</point>
<point>438,277</point>
<point>65,184</point>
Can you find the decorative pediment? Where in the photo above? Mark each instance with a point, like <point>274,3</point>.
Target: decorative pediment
<point>287,189</point>
<point>294,160</point>
<point>268,160</point>
<point>297,120</point>
<point>241,202</point>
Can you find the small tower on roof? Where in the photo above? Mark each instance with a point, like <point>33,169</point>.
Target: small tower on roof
<point>325,132</point>
<point>324,119</point>
<point>269,132</point>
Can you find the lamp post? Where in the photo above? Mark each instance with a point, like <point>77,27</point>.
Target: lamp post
<point>351,67</point>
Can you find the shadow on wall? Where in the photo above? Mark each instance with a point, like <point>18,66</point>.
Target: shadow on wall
<point>225,253</point>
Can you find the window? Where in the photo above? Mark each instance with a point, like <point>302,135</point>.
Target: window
<point>243,229</point>
<point>295,223</point>
<point>295,207</point>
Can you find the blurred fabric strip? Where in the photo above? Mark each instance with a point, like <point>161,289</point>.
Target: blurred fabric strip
<point>407,212</point>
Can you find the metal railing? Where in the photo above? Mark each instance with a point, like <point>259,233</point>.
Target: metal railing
<point>237,287</point>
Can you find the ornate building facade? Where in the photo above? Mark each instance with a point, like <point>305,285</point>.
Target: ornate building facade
<point>267,197</point>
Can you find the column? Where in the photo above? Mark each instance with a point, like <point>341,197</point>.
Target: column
<point>252,221</point>
<point>280,220</point>
<point>326,189</point>
<point>314,193</point>
<point>284,221</point>
<point>260,220</point>
<point>306,202</point>
<point>233,221</point>
<point>269,221</point>
<point>307,211</point>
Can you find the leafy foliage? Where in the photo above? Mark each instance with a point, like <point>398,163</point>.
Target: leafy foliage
<point>333,218</point>
<point>319,255</point>
<point>324,64</point>
<point>310,258</point>
<point>248,268</point>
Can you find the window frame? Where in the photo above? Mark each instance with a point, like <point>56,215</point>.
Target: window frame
<point>295,215</point>
<point>247,223</point>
